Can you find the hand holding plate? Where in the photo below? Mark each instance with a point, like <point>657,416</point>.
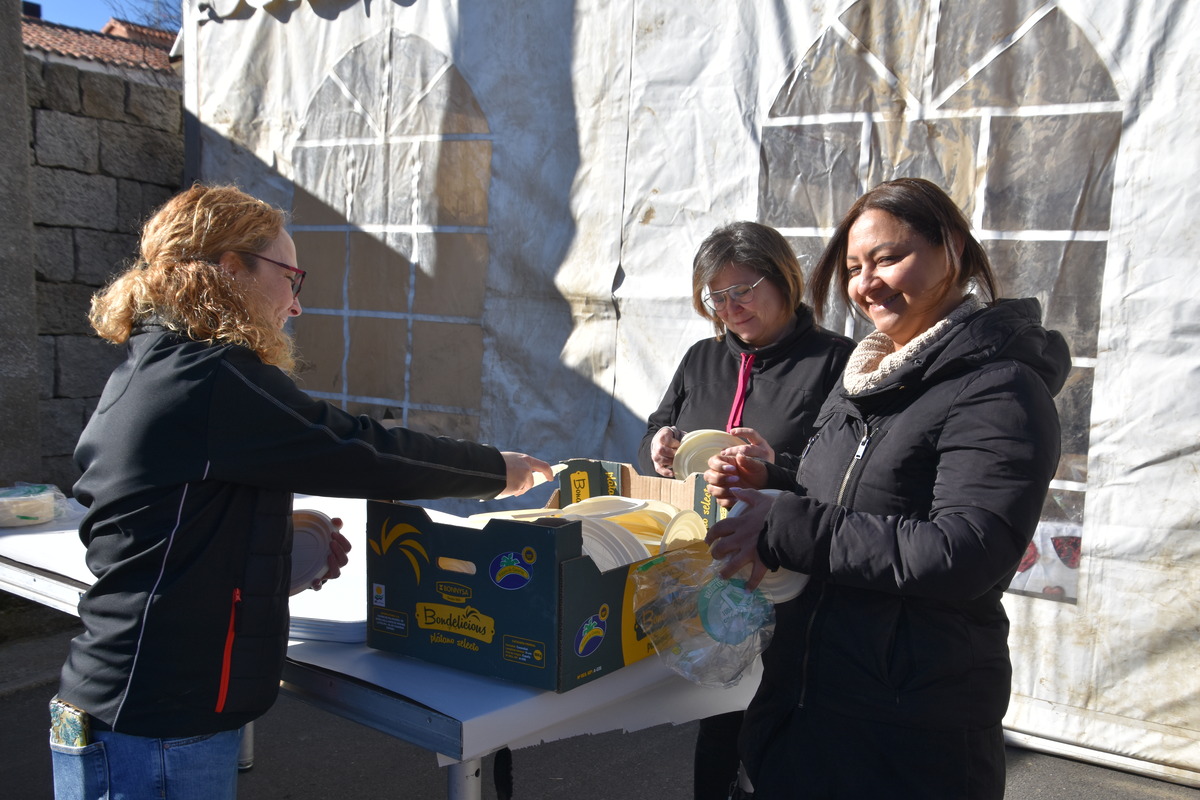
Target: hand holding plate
<point>734,540</point>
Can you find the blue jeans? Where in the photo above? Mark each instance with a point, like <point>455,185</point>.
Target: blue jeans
<point>116,766</point>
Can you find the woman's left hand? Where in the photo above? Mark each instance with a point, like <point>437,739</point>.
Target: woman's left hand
<point>734,540</point>
<point>339,547</point>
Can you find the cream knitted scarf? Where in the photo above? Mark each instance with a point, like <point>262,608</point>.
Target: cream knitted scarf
<point>873,359</point>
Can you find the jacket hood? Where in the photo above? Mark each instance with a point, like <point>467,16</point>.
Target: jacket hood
<point>1009,329</point>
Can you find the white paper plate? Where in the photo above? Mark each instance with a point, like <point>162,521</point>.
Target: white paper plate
<point>609,505</point>
<point>686,527</point>
<point>312,532</point>
<point>778,585</point>
<point>608,544</point>
<point>697,447</point>
<point>539,478</point>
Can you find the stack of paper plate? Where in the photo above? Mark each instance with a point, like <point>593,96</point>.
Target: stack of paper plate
<point>608,544</point>
<point>312,532</point>
<point>697,447</point>
<point>778,585</point>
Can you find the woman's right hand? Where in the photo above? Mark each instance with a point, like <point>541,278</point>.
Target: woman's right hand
<point>732,470</point>
<point>662,450</point>
<point>756,446</point>
<point>519,469</point>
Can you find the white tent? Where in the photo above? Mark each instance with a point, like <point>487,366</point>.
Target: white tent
<point>498,204</point>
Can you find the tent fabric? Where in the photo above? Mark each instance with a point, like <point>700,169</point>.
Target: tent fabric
<point>497,205</point>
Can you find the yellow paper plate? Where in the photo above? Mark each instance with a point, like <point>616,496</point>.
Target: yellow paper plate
<point>685,528</point>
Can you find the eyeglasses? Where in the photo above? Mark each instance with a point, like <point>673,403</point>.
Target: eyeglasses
<point>297,278</point>
<point>742,293</point>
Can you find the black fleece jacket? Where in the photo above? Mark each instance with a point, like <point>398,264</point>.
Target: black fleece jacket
<point>789,380</point>
<point>189,464</point>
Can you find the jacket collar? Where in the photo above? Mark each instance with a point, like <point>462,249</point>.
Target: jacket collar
<point>1009,329</point>
<point>776,350</point>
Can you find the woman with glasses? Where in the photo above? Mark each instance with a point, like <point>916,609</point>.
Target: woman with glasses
<point>764,375</point>
<point>889,675</point>
<point>188,468</point>
<point>762,378</point>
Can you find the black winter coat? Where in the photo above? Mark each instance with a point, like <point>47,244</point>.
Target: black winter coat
<point>912,507</point>
<point>789,381</point>
<point>189,464</point>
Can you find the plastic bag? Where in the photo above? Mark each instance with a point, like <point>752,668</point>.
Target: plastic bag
<point>31,504</point>
<point>704,627</point>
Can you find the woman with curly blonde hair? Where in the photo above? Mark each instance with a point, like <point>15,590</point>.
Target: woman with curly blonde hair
<point>188,468</point>
<point>174,280</point>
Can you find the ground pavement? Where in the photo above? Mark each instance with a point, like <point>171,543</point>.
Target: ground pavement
<point>302,752</point>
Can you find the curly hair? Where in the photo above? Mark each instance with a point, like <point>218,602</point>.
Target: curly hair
<point>923,208</point>
<point>176,279</point>
<point>748,244</point>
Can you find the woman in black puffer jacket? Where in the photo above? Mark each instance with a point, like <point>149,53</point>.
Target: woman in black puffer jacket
<point>889,676</point>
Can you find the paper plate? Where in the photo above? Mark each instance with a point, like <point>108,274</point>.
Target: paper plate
<point>608,505</point>
<point>608,544</point>
<point>781,585</point>
<point>539,478</point>
<point>595,546</point>
<point>648,523</point>
<point>311,534</point>
<point>661,508</point>
<point>697,447</point>
<point>685,528</point>
<point>629,543</point>
<point>778,585</point>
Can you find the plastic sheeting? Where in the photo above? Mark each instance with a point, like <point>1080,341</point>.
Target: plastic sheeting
<point>498,203</point>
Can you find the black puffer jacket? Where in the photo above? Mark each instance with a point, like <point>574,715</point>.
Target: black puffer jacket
<point>789,380</point>
<point>189,464</point>
<point>915,502</point>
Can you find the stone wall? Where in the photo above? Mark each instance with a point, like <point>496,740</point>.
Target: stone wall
<point>20,440</point>
<point>105,150</point>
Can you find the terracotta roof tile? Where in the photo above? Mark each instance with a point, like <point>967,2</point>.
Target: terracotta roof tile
<point>99,47</point>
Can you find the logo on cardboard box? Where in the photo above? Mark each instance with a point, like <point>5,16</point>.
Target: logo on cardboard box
<point>466,620</point>
<point>453,592</point>
<point>410,547</point>
<point>591,632</point>
<point>510,570</point>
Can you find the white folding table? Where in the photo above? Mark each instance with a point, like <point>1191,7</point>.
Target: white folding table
<point>459,716</point>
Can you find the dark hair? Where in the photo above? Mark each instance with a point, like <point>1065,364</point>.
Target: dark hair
<point>749,244</point>
<point>925,209</point>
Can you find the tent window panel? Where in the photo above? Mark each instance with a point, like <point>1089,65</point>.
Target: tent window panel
<point>810,174</point>
<point>1052,172</point>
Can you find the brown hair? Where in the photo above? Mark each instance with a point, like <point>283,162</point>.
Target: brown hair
<point>749,244</point>
<point>928,211</point>
<point>176,278</point>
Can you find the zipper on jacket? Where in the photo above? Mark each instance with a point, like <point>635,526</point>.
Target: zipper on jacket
<point>227,655</point>
<point>811,440</point>
<point>812,618</point>
<point>858,454</point>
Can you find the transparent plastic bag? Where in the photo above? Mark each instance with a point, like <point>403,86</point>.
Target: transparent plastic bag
<point>704,627</point>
